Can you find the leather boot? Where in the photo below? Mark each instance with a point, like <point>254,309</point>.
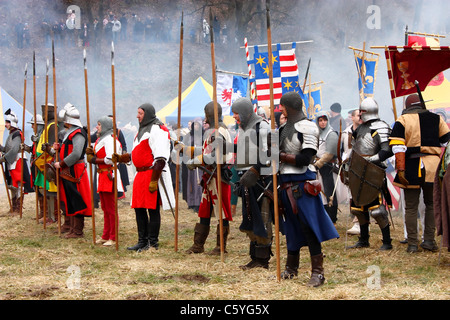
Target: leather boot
<point>41,207</point>
<point>16,205</point>
<point>142,228</point>
<point>363,240</point>
<point>216,250</point>
<point>65,228</point>
<point>153,234</point>
<point>77,223</point>
<point>291,269</point>
<point>317,277</point>
<point>387,241</point>
<point>201,233</point>
<point>260,256</point>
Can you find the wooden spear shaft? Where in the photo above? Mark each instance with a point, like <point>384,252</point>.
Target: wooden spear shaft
<point>86,89</point>
<point>177,172</point>
<point>36,191</point>
<point>216,127</point>
<point>114,143</point>
<point>23,138</point>
<point>58,197</point>
<point>274,164</point>
<point>46,140</point>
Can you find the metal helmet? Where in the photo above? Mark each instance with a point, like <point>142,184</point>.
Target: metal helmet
<point>369,110</point>
<point>70,115</point>
<point>12,118</point>
<point>39,120</point>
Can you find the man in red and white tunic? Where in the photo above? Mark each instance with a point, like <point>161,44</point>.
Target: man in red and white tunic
<point>209,203</point>
<point>101,155</point>
<point>75,189</point>
<point>152,185</point>
<point>11,155</point>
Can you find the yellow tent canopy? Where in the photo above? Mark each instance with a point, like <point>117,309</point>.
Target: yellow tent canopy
<point>193,101</point>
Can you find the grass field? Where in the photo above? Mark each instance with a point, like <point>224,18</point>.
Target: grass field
<point>35,264</point>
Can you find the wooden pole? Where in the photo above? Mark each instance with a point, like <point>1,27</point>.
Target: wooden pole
<point>391,82</point>
<point>36,191</point>
<point>216,127</point>
<point>58,196</point>
<point>114,143</point>
<point>274,164</point>
<point>86,90</point>
<point>177,172</point>
<point>23,138</point>
<point>45,133</point>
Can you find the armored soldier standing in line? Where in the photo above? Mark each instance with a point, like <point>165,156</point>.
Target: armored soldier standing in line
<point>367,176</point>
<point>257,215</point>
<point>305,221</point>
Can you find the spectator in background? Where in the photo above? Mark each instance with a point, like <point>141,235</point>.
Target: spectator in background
<point>336,118</point>
<point>56,33</point>
<point>4,35</point>
<point>47,32</point>
<point>63,31</point>
<point>19,34</point>
<point>138,29</point>
<point>124,22</point>
<point>26,35</point>
<point>116,29</point>
<point>85,35</point>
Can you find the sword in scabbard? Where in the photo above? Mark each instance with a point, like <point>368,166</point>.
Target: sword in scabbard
<point>167,195</point>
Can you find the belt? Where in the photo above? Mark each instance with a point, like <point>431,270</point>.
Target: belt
<point>141,169</point>
<point>288,187</point>
<point>104,169</point>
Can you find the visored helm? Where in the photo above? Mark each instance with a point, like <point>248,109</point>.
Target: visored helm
<point>369,110</point>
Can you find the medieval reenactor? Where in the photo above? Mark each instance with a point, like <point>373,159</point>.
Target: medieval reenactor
<point>325,161</point>
<point>12,158</point>
<point>304,221</point>
<point>209,204</point>
<point>101,155</point>
<point>152,184</point>
<point>45,142</point>
<point>257,216</point>
<point>32,150</point>
<point>75,190</point>
<point>416,140</point>
<point>367,176</point>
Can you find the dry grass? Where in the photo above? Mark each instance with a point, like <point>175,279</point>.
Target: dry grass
<point>36,264</point>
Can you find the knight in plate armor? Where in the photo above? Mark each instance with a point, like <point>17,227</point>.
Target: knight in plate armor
<point>367,176</point>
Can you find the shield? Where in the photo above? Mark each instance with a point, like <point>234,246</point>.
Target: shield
<point>365,180</point>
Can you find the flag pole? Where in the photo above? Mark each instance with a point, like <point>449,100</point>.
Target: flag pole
<point>58,197</point>
<point>249,67</point>
<point>114,143</point>
<point>23,138</point>
<point>391,81</point>
<point>86,89</point>
<point>216,125</point>
<point>177,173</point>
<point>272,122</point>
